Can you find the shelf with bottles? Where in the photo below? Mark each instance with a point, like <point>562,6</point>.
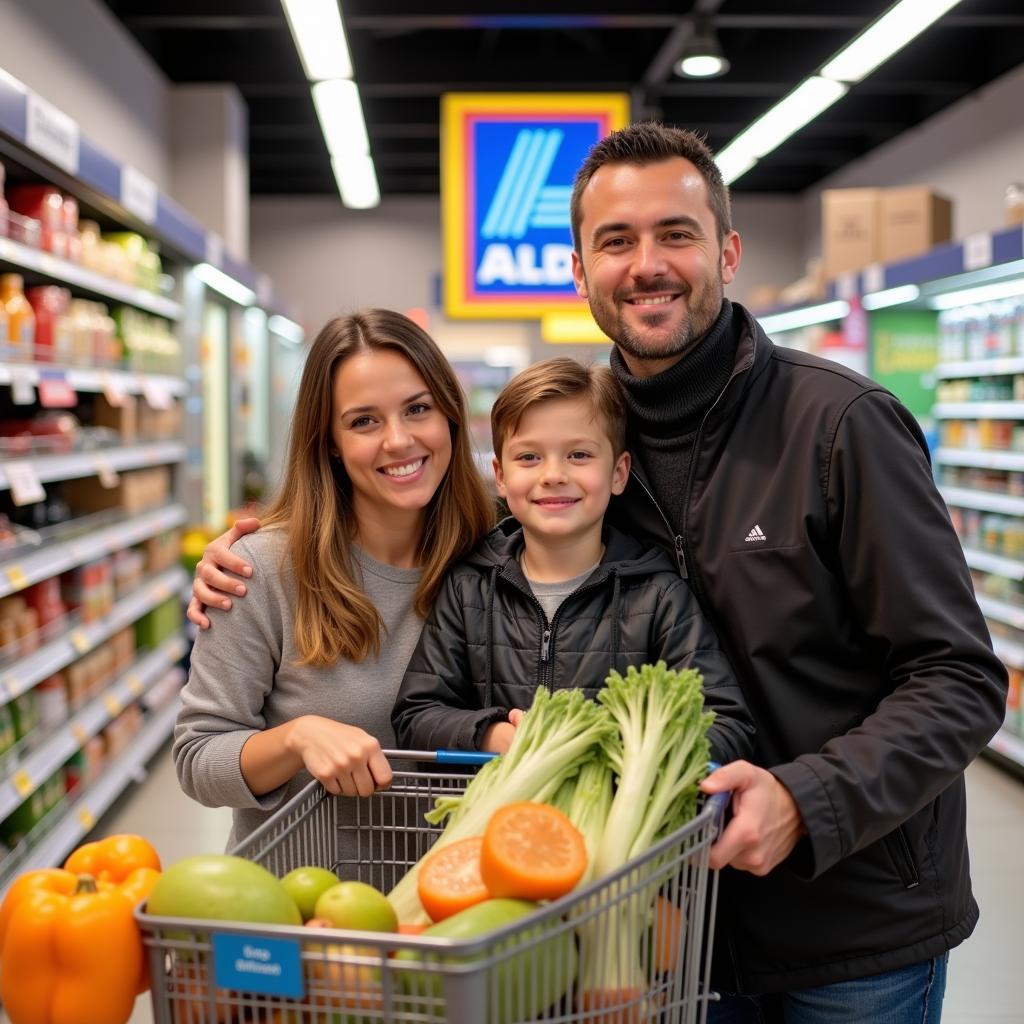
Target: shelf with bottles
<point>74,798</point>
<point>68,638</point>
<point>57,730</point>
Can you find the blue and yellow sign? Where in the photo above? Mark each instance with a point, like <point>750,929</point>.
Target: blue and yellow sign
<point>508,161</point>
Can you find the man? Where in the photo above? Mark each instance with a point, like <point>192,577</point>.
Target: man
<point>799,501</point>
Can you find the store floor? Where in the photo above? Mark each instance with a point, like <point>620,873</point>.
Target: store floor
<point>985,973</point>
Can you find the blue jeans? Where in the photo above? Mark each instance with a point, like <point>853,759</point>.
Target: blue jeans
<point>911,995</point>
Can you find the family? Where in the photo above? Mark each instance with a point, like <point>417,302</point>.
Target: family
<point>711,499</point>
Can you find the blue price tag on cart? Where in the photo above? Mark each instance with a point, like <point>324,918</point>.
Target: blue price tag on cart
<point>271,967</point>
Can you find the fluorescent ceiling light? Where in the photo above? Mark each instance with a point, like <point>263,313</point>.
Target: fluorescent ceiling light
<point>231,289</point>
<point>286,328</point>
<point>319,37</point>
<point>733,162</point>
<point>884,37</point>
<point>891,297</point>
<point>702,65</point>
<point>983,293</point>
<point>791,320</point>
<point>341,118</point>
<point>357,181</point>
<point>788,116</point>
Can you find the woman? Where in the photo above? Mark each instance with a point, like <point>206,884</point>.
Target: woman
<point>380,494</point>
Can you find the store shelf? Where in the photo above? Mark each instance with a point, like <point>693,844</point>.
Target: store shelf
<point>1008,652</point>
<point>984,501</point>
<point>980,368</point>
<point>22,675</point>
<point>80,817</point>
<point>79,464</point>
<point>25,777</point>
<point>25,258</point>
<point>45,562</point>
<point>978,410</point>
<point>980,458</point>
<point>1000,611</point>
<point>1008,745</point>
<point>96,380</point>
<point>983,561</point>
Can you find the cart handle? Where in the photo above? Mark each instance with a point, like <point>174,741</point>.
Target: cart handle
<point>462,757</point>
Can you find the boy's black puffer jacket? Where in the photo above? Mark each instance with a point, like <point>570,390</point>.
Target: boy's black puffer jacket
<point>487,645</point>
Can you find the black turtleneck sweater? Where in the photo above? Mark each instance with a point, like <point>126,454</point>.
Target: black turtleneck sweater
<point>665,411</point>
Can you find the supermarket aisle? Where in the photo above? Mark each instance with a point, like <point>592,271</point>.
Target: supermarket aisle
<point>984,979</point>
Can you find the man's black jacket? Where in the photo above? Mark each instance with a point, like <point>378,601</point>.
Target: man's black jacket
<point>819,547</point>
<point>487,644</point>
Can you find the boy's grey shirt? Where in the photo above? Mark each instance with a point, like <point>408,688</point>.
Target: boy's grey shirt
<point>245,679</point>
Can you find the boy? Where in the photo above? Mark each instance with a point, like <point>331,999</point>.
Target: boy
<point>554,597</point>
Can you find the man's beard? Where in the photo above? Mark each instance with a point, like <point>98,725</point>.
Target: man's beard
<point>694,324</point>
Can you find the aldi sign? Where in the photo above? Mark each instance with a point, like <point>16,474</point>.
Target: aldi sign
<point>508,163</point>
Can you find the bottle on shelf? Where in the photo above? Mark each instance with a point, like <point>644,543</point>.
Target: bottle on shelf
<point>21,320</point>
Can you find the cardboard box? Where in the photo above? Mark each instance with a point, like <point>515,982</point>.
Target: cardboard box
<point>912,221</point>
<point>850,229</point>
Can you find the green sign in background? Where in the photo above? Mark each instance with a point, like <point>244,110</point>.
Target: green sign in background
<point>904,351</point>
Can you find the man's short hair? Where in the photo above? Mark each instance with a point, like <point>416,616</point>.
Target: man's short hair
<point>650,142</point>
<point>555,380</point>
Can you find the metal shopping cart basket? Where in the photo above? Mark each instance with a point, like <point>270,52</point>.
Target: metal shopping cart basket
<point>630,948</point>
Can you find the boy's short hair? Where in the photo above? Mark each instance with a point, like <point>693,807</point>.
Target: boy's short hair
<point>559,379</point>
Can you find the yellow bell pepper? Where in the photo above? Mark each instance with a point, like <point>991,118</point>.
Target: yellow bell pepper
<point>70,956</point>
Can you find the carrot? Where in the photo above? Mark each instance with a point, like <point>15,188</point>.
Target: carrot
<point>531,851</point>
<point>669,927</point>
<point>449,879</point>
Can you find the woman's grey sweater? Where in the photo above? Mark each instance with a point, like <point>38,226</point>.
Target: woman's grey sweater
<point>245,679</point>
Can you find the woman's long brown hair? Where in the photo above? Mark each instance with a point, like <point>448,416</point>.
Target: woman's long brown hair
<point>333,616</point>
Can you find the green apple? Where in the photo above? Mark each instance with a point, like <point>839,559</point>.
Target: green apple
<point>305,885</point>
<point>358,906</point>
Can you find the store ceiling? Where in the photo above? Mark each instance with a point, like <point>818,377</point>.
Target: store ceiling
<point>407,53</point>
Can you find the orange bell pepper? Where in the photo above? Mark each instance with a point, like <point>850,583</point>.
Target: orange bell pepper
<point>113,859</point>
<point>70,958</point>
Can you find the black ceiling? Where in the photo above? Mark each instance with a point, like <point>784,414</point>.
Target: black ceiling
<point>407,53</point>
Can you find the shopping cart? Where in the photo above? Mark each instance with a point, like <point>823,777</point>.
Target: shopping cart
<point>642,933</point>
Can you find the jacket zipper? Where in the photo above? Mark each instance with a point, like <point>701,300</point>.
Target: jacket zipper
<point>548,640</point>
<point>905,864</point>
<point>677,539</point>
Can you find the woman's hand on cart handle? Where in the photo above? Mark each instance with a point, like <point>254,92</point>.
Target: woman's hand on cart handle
<point>344,759</point>
<point>212,584</point>
<point>765,824</point>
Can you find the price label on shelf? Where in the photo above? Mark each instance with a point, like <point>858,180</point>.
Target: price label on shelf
<point>80,641</point>
<point>86,818</point>
<point>22,784</point>
<point>157,393</point>
<point>977,251</point>
<point>24,483</point>
<point>115,390</point>
<point>135,686</point>
<point>55,392</point>
<point>16,577</point>
<point>23,385</point>
<point>113,705</point>
<point>105,471</point>
<point>79,733</point>
<point>51,133</point>
<point>138,194</point>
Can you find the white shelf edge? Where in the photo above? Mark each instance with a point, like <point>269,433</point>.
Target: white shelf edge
<point>82,815</point>
<point>1000,611</point>
<point>1009,746</point>
<point>37,767</point>
<point>984,501</point>
<point>1008,652</point>
<point>980,458</point>
<point>96,379</point>
<point>978,410</point>
<point>19,573</point>
<point>73,274</point>
<point>78,464</point>
<point>979,367</point>
<point>53,656</point>
<point>984,562</point>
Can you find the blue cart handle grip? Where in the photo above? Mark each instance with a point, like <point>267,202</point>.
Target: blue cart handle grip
<point>459,757</point>
<point>718,802</point>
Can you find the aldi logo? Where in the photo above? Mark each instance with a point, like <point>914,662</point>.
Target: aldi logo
<point>508,164</point>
